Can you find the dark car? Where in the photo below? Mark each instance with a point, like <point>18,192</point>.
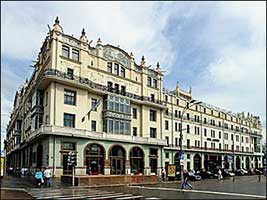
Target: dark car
<point>258,172</point>
<point>206,174</point>
<point>239,172</point>
<point>194,176</point>
<point>251,172</point>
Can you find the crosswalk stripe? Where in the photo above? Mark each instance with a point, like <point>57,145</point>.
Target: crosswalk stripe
<point>87,196</point>
<point>74,196</point>
<point>130,197</point>
<point>108,197</point>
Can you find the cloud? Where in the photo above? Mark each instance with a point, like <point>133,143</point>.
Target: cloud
<point>217,47</point>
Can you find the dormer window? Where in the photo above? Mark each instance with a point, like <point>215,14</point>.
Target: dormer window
<point>110,67</point>
<point>122,72</point>
<point>116,69</point>
<point>65,51</point>
<point>75,54</point>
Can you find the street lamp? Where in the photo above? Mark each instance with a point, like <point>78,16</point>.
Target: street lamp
<point>187,106</point>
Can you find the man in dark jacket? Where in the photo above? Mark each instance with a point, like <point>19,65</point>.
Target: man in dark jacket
<point>185,181</point>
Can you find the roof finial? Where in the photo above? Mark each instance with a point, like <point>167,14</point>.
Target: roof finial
<point>83,32</point>
<point>158,66</point>
<point>99,41</point>
<point>190,90</point>
<point>57,20</point>
<point>143,62</point>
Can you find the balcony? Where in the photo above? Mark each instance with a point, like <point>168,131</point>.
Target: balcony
<point>37,109</point>
<point>99,87</point>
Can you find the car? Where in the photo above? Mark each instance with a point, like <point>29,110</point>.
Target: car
<point>239,172</point>
<point>258,172</point>
<point>194,177</point>
<point>206,174</point>
<point>251,172</point>
<point>227,173</point>
<point>244,171</point>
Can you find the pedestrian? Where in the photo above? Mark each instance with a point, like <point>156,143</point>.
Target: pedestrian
<point>185,182</point>
<point>38,177</point>
<point>163,172</point>
<point>47,177</point>
<point>220,175</point>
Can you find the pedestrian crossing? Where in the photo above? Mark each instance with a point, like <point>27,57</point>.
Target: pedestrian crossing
<point>82,193</point>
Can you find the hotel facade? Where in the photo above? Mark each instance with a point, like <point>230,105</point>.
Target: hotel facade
<point>117,117</point>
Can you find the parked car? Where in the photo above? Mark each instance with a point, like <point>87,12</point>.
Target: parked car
<point>258,172</point>
<point>251,172</point>
<point>239,172</point>
<point>194,177</point>
<point>227,173</point>
<point>245,171</point>
<point>206,174</point>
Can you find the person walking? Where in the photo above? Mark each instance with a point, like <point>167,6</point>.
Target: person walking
<point>186,180</point>
<point>163,172</point>
<point>220,175</point>
<point>38,177</point>
<point>47,177</point>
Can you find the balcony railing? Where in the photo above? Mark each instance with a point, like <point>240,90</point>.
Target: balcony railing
<point>98,86</point>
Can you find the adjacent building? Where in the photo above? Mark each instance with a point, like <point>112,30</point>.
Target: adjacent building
<point>115,114</point>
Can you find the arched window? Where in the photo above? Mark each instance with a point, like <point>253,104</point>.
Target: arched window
<point>117,160</point>
<point>94,159</point>
<point>137,160</point>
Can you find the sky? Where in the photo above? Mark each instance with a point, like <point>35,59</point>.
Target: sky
<point>217,48</point>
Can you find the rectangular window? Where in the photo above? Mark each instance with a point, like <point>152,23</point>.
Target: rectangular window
<point>226,136</point>
<point>155,83</point>
<point>75,54</point>
<point>205,132</point>
<point>93,125</point>
<point>176,142</point>
<point>242,139</point>
<point>179,114</point>
<point>166,98</point>
<point>167,140</point>
<point>177,102</point>
<point>110,126</point>
<point>65,51</point>
<point>180,126</point>
<point>149,81</point>
<point>153,132</point>
<point>237,138</point>
<point>166,155</point>
<point>69,97</point>
<point>188,143</point>
<point>123,72</point>
<point>69,120</point>
<point>219,134</point>
<point>176,126</point>
<point>153,115</point>
<point>46,98</point>
<point>166,125</point>
<point>152,96</point>
<point>70,73</point>
<point>123,90</point>
<point>110,67</point>
<point>188,128</point>
<point>117,128</point>
<point>110,86</point>
<point>205,145</point>
<point>116,87</point>
<point>116,69</point>
<point>205,120</point>
<point>93,104</point>
<point>187,116</point>
<point>134,131</point>
<point>134,113</point>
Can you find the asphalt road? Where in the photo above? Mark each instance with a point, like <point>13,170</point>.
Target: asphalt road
<point>244,187</point>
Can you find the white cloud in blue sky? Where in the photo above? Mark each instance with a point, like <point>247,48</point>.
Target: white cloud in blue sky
<point>219,48</point>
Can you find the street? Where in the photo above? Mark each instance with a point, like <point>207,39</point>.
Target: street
<point>244,187</point>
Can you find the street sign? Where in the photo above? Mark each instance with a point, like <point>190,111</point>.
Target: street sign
<point>229,158</point>
<point>182,157</point>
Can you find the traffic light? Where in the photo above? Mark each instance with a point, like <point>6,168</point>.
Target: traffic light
<point>72,158</point>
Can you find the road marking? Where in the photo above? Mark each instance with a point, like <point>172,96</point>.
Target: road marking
<point>201,191</point>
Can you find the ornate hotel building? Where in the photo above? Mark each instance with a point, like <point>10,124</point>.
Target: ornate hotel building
<point>116,115</point>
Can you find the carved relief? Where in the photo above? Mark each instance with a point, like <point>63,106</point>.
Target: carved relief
<point>116,55</point>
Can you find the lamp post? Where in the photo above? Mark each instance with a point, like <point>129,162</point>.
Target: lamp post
<point>187,106</point>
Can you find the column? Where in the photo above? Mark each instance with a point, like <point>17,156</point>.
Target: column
<point>107,167</point>
<point>127,167</point>
<point>202,160</point>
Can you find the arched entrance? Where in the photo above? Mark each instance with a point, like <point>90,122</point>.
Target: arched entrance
<point>226,163</point>
<point>117,160</point>
<point>137,160</point>
<point>177,162</point>
<point>247,163</point>
<point>197,162</point>
<point>238,162</point>
<point>256,163</point>
<point>39,154</point>
<point>94,159</point>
